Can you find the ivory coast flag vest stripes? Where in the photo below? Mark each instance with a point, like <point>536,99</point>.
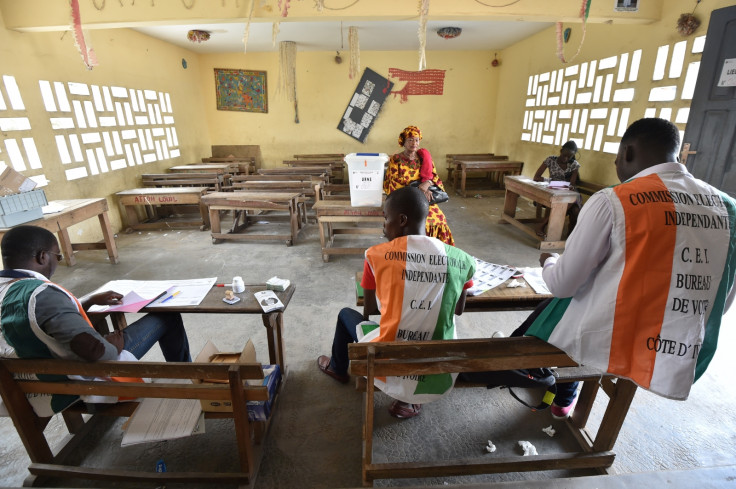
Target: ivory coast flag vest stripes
<point>652,312</point>
<point>418,282</point>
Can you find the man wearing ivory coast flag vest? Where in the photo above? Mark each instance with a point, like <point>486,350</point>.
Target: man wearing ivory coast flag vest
<point>418,283</point>
<point>647,274</point>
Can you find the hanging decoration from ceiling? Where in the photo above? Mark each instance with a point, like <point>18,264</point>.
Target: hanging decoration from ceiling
<point>425,82</point>
<point>364,105</point>
<point>196,35</point>
<point>88,54</point>
<point>246,33</point>
<point>449,32</point>
<point>287,74</point>
<point>584,11</point>
<point>688,23</point>
<point>275,32</point>
<point>354,45</point>
<point>423,11</point>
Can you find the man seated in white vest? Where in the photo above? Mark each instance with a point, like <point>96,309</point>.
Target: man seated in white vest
<point>40,319</point>
<point>647,274</point>
<point>418,284</point>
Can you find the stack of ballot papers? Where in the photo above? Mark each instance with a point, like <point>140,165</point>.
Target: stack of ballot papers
<point>277,284</point>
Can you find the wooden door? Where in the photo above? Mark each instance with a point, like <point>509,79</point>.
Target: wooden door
<point>711,126</point>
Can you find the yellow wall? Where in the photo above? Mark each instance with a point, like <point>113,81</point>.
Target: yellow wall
<point>460,120</point>
<point>537,54</point>
<point>127,59</point>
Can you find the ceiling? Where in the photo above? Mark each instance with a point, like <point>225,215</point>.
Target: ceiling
<point>397,35</point>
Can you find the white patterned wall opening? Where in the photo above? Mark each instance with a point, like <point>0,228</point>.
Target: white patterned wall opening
<point>100,129</point>
<point>18,148</point>
<point>589,103</point>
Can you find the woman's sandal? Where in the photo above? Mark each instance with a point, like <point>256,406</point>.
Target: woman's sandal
<point>403,410</point>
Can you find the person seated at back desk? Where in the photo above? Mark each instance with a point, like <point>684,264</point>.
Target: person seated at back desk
<point>40,319</point>
<point>418,284</point>
<point>562,168</point>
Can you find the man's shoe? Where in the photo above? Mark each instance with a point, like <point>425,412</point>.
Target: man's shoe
<point>560,412</point>
<point>323,363</point>
<point>403,410</point>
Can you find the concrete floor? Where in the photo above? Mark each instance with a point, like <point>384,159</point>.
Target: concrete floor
<point>315,437</point>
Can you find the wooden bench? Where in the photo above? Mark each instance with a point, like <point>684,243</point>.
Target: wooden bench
<point>493,169</point>
<point>301,170</point>
<point>588,188</point>
<point>307,185</point>
<point>46,461</point>
<point>156,199</point>
<point>336,166</point>
<point>212,181</point>
<point>320,156</point>
<point>475,355</point>
<point>245,165</point>
<point>451,165</point>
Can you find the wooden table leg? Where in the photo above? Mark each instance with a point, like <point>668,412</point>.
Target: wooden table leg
<point>112,250</point>
<point>322,225</point>
<point>294,220</point>
<point>463,179</point>
<point>215,227</point>
<point>509,203</point>
<point>556,221</point>
<point>205,216</point>
<point>131,216</point>
<point>66,247</point>
<point>274,323</point>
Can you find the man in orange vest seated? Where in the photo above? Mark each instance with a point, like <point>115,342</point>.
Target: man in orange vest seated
<point>40,319</point>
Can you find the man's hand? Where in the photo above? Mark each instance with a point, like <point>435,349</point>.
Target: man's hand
<point>108,298</point>
<point>424,187</point>
<point>543,257</point>
<point>116,339</point>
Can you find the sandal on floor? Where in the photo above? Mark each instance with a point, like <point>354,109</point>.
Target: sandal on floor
<point>323,363</point>
<point>403,410</point>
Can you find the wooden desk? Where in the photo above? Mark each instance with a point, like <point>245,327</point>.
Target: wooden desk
<point>219,168</point>
<point>242,202</point>
<point>149,197</point>
<point>330,212</point>
<point>213,304</point>
<point>296,170</point>
<point>487,166</point>
<point>556,199</point>
<point>336,166</point>
<point>499,298</point>
<point>246,165</point>
<point>76,211</point>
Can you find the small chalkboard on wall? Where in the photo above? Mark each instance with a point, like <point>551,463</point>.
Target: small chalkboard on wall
<point>363,108</point>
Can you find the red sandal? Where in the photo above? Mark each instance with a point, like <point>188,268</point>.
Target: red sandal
<point>403,410</point>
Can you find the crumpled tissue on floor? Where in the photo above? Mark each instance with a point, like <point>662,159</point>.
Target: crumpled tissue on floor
<point>491,447</point>
<point>528,448</point>
<point>549,430</point>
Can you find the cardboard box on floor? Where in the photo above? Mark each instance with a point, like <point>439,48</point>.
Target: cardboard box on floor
<point>257,410</point>
<point>12,182</point>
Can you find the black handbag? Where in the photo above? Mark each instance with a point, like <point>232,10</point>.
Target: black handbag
<point>438,195</point>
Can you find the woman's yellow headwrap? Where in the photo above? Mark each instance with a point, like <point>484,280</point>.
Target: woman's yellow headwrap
<point>409,132</point>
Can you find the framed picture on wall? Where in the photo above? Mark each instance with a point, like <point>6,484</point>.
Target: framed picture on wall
<point>241,90</point>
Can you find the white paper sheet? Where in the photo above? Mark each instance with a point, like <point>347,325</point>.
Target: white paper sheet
<point>533,276</point>
<point>489,275</point>
<point>191,292</point>
<point>164,419</point>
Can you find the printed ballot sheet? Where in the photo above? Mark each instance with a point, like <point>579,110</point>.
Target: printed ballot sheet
<point>164,419</point>
<point>533,276</point>
<point>189,292</point>
<point>489,275</point>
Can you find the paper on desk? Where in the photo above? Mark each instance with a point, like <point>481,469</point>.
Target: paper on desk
<point>559,184</point>
<point>52,208</point>
<point>533,276</point>
<point>489,275</point>
<point>164,419</point>
<point>191,292</point>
